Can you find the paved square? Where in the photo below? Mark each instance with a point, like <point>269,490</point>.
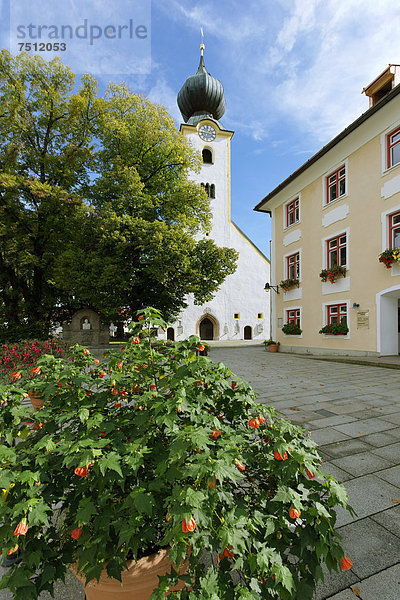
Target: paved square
<point>353,414</point>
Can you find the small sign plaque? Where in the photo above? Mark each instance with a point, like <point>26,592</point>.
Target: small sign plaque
<point>363,319</point>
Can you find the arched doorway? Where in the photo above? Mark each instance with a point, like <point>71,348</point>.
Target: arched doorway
<point>171,334</point>
<point>248,333</point>
<point>206,329</point>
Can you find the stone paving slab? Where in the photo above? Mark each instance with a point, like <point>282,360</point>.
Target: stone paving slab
<point>365,463</point>
<point>391,475</point>
<point>379,549</point>
<point>393,418</point>
<point>345,448</point>
<point>383,438</point>
<point>335,471</point>
<point>326,436</point>
<point>390,519</point>
<point>382,586</point>
<point>335,582</point>
<point>368,495</point>
<point>391,452</point>
<point>365,426</point>
<point>336,420</point>
<point>345,595</point>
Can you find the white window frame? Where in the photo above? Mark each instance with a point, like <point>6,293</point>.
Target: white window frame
<point>285,266</point>
<point>384,136</point>
<point>385,225</point>
<point>343,163</point>
<point>325,312</point>
<point>285,205</point>
<point>329,237</point>
<point>300,308</point>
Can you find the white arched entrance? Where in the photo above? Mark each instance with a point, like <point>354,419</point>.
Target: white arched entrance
<point>387,303</point>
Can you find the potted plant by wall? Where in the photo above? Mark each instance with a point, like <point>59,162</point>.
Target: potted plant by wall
<point>389,256</point>
<point>271,345</point>
<point>333,273</point>
<point>292,329</point>
<point>287,284</point>
<point>158,456</point>
<point>335,329</point>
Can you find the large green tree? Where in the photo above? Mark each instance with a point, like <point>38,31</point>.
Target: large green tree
<point>96,204</point>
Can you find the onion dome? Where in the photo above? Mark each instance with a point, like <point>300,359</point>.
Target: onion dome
<point>201,96</point>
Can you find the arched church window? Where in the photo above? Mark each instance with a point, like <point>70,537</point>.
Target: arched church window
<point>212,191</point>
<point>207,156</point>
<point>207,188</point>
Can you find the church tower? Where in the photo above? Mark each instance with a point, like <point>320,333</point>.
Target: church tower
<point>240,308</point>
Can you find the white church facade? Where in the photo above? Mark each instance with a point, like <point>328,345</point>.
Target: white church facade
<point>240,310</point>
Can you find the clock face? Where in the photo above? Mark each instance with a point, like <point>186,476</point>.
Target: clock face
<point>207,133</point>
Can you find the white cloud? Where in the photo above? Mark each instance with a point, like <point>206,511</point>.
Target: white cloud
<point>349,44</point>
<point>221,19</point>
<point>299,64</point>
<point>162,93</point>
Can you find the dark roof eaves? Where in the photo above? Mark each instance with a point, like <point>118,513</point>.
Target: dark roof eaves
<point>368,113</point>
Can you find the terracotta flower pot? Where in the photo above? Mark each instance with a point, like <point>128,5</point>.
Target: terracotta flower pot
<point>36,400</point>
<point>273,347</point>
<point>138,581</point>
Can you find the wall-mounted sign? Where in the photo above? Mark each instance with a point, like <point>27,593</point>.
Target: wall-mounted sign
<point>363,319</point>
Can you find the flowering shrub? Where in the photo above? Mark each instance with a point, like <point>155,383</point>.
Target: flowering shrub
<point>286,284</point>
<point>335,329</point>
<point>333,273</point>
<point>152,448</point>
<point>292,329</point>
<point>389,256</point>
<point>17,358</point>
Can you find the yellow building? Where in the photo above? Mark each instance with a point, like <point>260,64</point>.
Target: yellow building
<point>332,219</point>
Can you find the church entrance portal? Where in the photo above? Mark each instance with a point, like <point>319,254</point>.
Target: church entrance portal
<point>171,334</point>
<point>206,329</point>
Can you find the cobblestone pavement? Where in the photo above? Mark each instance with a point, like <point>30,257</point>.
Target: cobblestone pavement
<point>353,413</point>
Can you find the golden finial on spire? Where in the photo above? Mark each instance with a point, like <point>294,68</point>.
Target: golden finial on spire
<point>202,46</point>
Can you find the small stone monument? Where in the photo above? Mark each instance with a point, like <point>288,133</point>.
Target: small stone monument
<point>86,328</point>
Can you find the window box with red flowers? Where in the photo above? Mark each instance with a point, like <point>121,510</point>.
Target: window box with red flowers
<point>287,284</point>
<point>390,256</point>
<point>335,329</point>
<point>333,273</point>
<point>292,329</point>
<point>158,453</point>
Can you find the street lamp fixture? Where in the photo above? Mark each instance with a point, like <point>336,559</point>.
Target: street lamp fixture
<point>269,287</point>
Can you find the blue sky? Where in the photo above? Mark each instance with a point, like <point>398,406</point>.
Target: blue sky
<point>292,70</point>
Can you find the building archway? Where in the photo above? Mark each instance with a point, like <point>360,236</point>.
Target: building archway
<point>207,328</point>
<point>248,333</point>
<point>388,325</point>
<point>171,334</point>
